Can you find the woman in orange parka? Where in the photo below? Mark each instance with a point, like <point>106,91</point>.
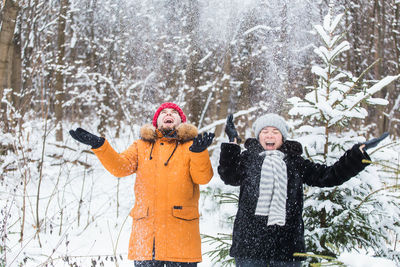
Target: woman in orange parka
<point>170,161</point>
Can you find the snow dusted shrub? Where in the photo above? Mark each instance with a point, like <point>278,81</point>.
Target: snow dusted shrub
<point>4,234</point>
<point>360,215</point>
<point>74,205</point>
<point>221,242</point>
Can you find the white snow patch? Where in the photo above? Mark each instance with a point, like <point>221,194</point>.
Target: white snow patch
<point>360,260</point>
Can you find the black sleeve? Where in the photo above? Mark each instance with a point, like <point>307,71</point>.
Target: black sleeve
<point>349,165</point>
<point>229,164</point>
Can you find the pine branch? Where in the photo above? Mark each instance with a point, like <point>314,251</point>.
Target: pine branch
<point>374,192</point>
<point>331,260</point>
<point>366,161</point>
<point>220,253</point>
<point>313,256</point>
<point>356,82</point>
<point>228,198</point>
<point>371,93</point>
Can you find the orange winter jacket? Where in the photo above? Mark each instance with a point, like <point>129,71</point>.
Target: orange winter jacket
<point>168,175</point>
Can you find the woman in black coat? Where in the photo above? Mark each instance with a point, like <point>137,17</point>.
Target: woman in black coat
<point>269,228</point>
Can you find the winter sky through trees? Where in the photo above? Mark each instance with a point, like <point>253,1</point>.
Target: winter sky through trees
<point>106,65</point>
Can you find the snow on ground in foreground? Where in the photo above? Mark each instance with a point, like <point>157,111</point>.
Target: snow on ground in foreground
<point>91,229</point>
<point>359,260</point>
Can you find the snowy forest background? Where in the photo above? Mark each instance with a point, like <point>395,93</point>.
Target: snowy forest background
<point>330,67</point>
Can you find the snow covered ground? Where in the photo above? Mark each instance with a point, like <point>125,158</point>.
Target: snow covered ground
<point>83,210</point>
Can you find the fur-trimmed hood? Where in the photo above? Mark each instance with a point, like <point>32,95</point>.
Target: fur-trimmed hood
<point>184,132</point>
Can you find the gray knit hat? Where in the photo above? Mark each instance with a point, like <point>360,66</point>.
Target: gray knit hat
<point>273,120</point>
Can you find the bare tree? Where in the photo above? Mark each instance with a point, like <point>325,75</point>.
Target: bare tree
<point>372,32</point>
<point>9,17</point>
<point>59,82</point>
<point>194,98</point>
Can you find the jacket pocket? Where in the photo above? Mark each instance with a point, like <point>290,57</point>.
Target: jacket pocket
<point>138,213</point>
<point>185,213</point>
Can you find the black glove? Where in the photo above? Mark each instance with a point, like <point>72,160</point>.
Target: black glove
<point>375,141</point>
<point>230,130</point>
<point>201,142</point>
<point>87,138</point>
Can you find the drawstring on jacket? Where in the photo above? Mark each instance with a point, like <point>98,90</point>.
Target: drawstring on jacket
<point>176,146</point>
<point>151,151</point>
<point>166,163</point>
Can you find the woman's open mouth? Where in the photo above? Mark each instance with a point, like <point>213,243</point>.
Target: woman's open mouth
<point>270,145</point>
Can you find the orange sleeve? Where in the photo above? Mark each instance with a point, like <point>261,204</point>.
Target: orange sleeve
<point>200,167</point>
<point>118,164</point>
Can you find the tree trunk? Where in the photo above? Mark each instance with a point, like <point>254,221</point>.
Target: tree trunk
<point>223,95</point>
<point>396,37</point>
<point>284,55</point>
<point>245,75</point>
<point>10,13</point>
<point>59,86</point>
<point>27,73</point>
<point>194,97</point>
<point>15,58</point>
<point>382,122</point>
<point>396,44</point>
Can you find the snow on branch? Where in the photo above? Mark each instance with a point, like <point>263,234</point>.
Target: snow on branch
<point>330,25</point>
<point>222,121</point>
<point>261,27</point>
<point>375,88</point>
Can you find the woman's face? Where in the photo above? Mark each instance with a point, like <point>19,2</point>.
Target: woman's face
<point>270,138</point>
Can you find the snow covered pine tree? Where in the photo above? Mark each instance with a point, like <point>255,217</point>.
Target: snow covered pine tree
<point>346,218</point>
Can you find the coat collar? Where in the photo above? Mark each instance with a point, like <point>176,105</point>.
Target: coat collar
<point>288,147</point>
<point>184,132</point>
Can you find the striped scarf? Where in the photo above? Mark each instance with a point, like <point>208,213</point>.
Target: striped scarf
<point>273,188</point>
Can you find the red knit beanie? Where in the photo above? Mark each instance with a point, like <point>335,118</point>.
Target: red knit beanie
<point>168,105</point>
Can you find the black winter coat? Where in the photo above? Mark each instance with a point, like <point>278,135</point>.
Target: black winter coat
<point>252,238</point>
